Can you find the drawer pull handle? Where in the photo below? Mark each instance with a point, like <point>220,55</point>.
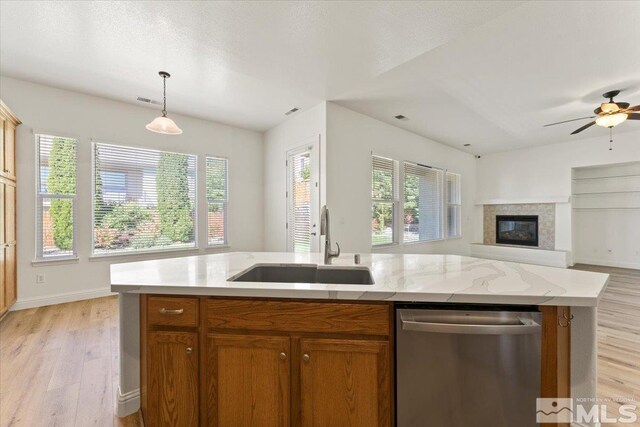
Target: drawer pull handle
<point>165,311</point>
<point>306,357</point>
<point>283,356</point>
<point>189,350</point>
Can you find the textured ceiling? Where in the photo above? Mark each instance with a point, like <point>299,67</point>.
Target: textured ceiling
<point>496,86</point>
<point>485,73</point>
<point>242,63</point>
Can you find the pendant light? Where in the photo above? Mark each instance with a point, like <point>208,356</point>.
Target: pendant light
<point>163,124</point>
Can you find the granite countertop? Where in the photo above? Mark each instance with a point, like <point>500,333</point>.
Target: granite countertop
<point>398,277</point>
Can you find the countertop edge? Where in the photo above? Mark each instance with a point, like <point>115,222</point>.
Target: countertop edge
<point>350,295</point>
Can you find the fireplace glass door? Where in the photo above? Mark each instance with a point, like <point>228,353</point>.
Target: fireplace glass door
<point>517,230</point>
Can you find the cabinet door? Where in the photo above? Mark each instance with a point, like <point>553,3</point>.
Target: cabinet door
<point>9,213</point>
<point>345,383</point>
<point>172,361</point>
<point>2,144</point>
<point>248,380</point>
<point>3,267</point>
<point>10,279</point>
<point>3,186</point>
<point>9,167</point>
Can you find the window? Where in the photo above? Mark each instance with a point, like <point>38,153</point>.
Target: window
<point>454,202</point>
<point>216,201</point>
<point>383,201</point>
<point>56,196</point>
<point>143,200</point>
<point>423,203</point>
<point>299,198</point>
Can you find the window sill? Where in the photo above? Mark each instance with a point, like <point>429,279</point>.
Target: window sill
<point>387,246</point>
<point>217,248</point>
<point>418,242</point>
<point>54,261</point>
<point>146,255</point>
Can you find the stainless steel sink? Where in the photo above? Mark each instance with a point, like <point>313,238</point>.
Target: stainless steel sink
<point>305,273</point>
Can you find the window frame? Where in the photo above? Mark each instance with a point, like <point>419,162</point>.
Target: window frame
<point>395,201</point>
<point>442,203</point>
<point>398,211</point>
<point>448,203</point>
<point>40,196</point>
<point>225,202</point>
<point>196,243</point>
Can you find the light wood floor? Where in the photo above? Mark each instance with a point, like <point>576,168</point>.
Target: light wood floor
<point>619,335</point>
<point>59,364</point>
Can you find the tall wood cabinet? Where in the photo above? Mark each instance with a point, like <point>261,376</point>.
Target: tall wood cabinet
<point>8,277</point>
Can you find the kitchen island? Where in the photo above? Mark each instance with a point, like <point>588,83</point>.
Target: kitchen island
<point>190,313</point>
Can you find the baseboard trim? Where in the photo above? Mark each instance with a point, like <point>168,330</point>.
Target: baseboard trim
<point>127,403</point>
<point>22,304</point>
<point>607,263</point>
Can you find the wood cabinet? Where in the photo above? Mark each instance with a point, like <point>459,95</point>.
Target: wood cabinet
<point>8,242</point>
<point>248,380</point>
<point>266,362</point>
<point>349,376</point>
<point>173,379</point>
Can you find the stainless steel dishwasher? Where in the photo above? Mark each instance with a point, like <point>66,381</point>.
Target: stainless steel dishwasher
<point>476,366</point>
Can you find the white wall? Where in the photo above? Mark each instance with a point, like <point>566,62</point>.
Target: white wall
<point>292,133</point>
<point>543,172</point>
<point>351,138</point>
<point>46,109</point>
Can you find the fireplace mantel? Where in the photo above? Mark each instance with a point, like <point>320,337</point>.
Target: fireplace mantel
<point>524,201</point>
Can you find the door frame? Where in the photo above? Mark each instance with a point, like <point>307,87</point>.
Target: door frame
<point>312,145</point>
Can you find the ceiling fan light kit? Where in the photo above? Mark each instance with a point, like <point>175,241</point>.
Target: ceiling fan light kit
<point>163,124</point>
<point>611,120</point>
<point>608,114</point>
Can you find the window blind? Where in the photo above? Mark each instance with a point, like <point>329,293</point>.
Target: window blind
<point>143,200</point>
<point>454,202</point>
<point>299,202</point>
<point>423,203</point>
<point>216,201</point>
<point>56,196</point>
<point>383,198</point>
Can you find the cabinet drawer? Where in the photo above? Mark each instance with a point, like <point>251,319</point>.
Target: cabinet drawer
<point>172,311</point>
<point>291,316</point>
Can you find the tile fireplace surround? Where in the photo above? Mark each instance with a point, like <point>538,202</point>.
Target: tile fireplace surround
<point>546,221</point>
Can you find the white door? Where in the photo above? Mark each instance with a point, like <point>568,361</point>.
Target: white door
<point>303,198</point>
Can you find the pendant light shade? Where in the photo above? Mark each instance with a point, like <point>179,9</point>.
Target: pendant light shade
<point>163,124</point>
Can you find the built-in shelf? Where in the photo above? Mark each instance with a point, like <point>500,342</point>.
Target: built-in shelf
<point>523,201</point>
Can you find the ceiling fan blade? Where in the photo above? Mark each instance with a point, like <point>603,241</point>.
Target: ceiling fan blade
<point>633,116</point>
<point>634,108</point>
<point>587,126</point>
<point>622,105</point>
<point>567,121</point>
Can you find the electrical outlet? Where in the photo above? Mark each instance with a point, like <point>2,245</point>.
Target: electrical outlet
<point>40,278</point>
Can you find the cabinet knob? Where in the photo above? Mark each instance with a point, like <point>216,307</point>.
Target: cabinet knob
<point>283,356</point>
<point>189,350</point>
<point>306,357</point>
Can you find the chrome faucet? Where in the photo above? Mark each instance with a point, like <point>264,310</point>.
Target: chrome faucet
<point>329,254</point>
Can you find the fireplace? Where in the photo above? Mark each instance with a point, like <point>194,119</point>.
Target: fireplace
<point>517,230</point>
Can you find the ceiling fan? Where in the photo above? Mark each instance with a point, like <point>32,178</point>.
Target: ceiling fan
<point>608,114</point>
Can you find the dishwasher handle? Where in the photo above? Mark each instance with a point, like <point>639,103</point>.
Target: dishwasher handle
<point>526,326</point>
